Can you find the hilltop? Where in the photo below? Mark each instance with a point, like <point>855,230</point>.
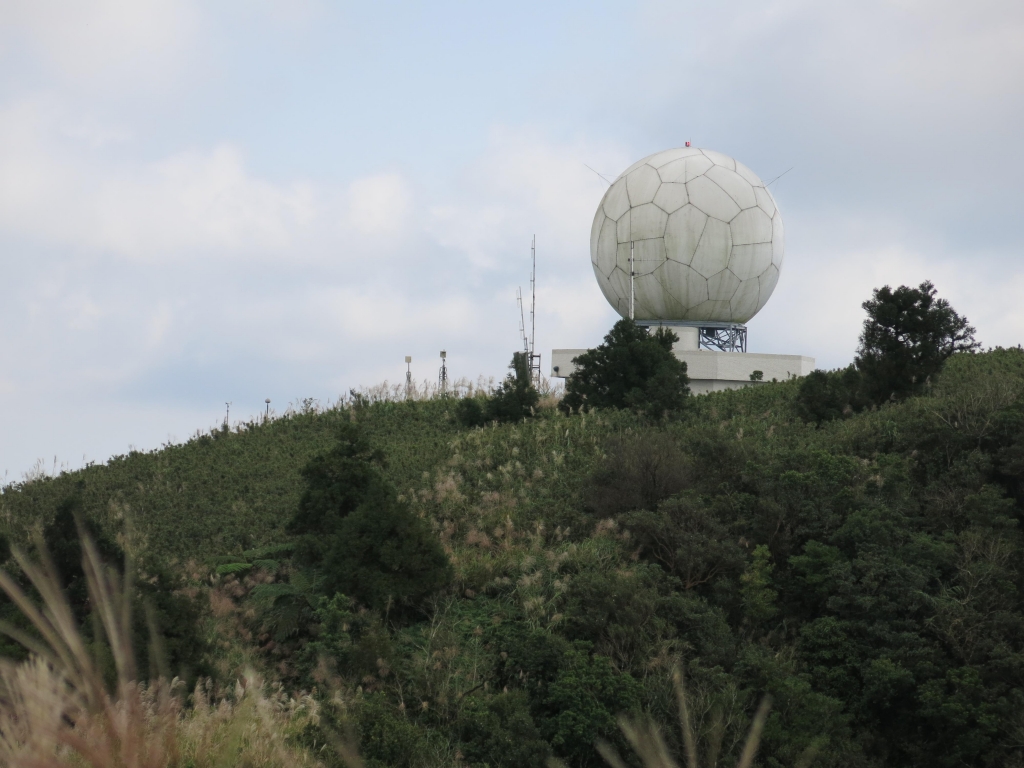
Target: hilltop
<point>865,572</point>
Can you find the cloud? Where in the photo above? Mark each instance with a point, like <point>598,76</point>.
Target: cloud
<point>525,183</point>
<point>835,263</point>
<point>903,107</point>
<point>855,53</point>
<point>110,236</point>
<point>379,205</point>
<point>55,188</point>
<point>120,40</point>
<point>198,201</point>
<point>290,270</point>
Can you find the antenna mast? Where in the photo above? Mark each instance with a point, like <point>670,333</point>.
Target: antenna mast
<point>529,341</point>
<point>632,274</point>
<point>522,321</point>
<point>534,355</point>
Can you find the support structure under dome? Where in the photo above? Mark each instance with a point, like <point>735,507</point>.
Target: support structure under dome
<point>732,338</point>
<point>710,335</point>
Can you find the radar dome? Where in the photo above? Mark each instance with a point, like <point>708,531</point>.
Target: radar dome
<point>706,235</point>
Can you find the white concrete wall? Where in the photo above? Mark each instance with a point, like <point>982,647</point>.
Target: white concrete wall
<point>561,362</point>
<point>712,371</point>
<point>689,337</point>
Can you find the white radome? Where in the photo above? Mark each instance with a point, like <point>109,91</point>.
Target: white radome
<point>706,234</point>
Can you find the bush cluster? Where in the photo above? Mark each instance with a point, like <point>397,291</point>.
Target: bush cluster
<point>514,399</point>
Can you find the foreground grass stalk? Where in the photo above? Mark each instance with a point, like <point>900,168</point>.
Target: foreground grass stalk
<point>648,744</point>
<point>56,710</point>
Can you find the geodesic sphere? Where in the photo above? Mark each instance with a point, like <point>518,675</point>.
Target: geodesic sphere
<point>706,237</point>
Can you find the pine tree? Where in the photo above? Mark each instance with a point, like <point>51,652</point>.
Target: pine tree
<point>631,369</point>
<point>908,336</point>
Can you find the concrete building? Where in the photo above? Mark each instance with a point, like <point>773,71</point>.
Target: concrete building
<point>712,371</point>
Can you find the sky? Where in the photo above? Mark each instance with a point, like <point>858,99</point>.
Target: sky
<point>228,201</point>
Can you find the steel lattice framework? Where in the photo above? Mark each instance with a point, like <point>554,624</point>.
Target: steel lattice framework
<point>731,338</point>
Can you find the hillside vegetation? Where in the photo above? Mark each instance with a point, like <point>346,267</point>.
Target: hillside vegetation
<point>864,572</point>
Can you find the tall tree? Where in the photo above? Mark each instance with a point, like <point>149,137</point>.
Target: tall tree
<point>631,369</point>
<point>355,536</point>
<point>907,336</point>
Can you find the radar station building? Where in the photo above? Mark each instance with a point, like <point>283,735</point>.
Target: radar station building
<point>693,240</point>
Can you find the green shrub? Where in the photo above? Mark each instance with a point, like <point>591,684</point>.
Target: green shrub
<point>830,395</point>
<point>167,613</point>
<point>687,539</point>
<point>639,471</point>
<point>336,483</point>
<point>758,595</point>
<point>631,369</point>
<point>384,556</point>
<point>472,411</point>
<point>575,695</point>
<point>64,545</point>
<point>514,399</point>
<point>623,613</point>
<point>582,704</point>
<point>499,732</point>
<point>389,739</point>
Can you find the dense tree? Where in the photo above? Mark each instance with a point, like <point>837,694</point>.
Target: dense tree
<point>357,537</point>
<point>907,336</point>
<point>514,400</point>
<point>687,539</point>
<point>516,397</point>
<point>574,695</point>
<point>829,395</point>
<point>500,732</point>
<point>384,555</point>
<point>638,472</point>
<point>631,369</point>
<point>336,483</point>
